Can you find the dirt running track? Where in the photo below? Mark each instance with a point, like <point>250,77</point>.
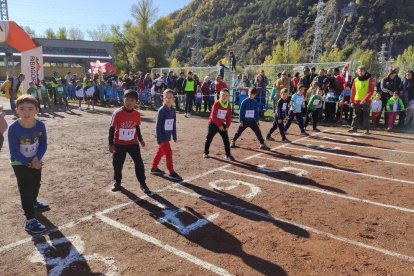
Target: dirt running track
<point>329,204</point>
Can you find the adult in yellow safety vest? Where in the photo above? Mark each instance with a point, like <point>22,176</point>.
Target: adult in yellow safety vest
<point>362,91</point>
<point>189,88</point>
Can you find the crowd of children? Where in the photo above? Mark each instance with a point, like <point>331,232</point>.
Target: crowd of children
<point>309,97</point>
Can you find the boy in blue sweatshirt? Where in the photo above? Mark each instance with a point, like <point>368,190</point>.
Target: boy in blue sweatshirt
<point>249,117</point>
<point>280,115</point>
<point>28,145</point>
<point>165,129</point>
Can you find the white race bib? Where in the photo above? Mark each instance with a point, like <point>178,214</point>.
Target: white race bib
<point>221,114</point>
<point>169,125</point>
<point>199,95</point>
<point>249,114</point>
<point>242,92</point>
<point>60,89</point>
<point>330,95</point>
<point>316,102</point>
<point>299,101</point>
<point>284,106</point>
<point>127,134</point>
<point>29,150</point>
<point>395,107</point>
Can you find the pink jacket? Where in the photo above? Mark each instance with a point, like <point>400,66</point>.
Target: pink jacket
<point>3,123</point>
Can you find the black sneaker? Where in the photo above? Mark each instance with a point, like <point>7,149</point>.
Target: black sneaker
<point>156,171</point>
<point>40,206</point>
<point>269,138</point>
<point>116,187</point>
<point>316,130</point>
<point>230,158</point>
<point>145,188</point>
<point>175,176</point>
<point>285,140</point>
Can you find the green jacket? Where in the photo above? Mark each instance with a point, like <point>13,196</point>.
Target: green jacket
<point>391,101</point>
<point>312,105</point>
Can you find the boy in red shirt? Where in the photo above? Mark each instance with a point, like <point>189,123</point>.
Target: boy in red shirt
<point>125,137</point>
<point>219,121</point>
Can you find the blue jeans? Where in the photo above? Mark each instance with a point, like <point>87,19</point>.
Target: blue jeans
<point>12,102</point>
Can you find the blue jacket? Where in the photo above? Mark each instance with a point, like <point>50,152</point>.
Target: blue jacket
<point>26,143</point>
<point>248,105</point>
<point>165,125</point>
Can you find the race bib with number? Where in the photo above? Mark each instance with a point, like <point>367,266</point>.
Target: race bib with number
<point>221,114</point>
<point>395,107</point>
<point>299,101</point>
<point>199,95</point>
<point>316,102</point>
<point>169,125</point>
<point>243,93</point>
<point>127,134</point>
<point>249,114</point>
<point>60,92</point>
<point>284,106</point>
<point>29,150</point>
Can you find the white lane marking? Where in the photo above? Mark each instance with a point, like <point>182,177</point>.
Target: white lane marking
<point>298,172</point>
<point>321,191</point>
<point>367,147</point>
<point>307,228</point>
<point>311,157</point>
<point>111,209</point>
<point>77,247</point>
<point>163,245</point>
<point>171,217</point>
<point>333,139</point>
<point>347,156</point>
<point>339,170</point>
<point>254,190</point>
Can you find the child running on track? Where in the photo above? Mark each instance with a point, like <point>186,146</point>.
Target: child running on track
<point>296,104</point>
<point>165,129</point>
<point>280,115</point>
<point>125,137</point>
<point>249,117</point>
<point>28,144</point>
<point>219,122</point>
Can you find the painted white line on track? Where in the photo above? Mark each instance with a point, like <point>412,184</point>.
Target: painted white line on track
<point>350,156</point>
<point>373,133</point>
<point>339,170</point>
<point>307,228</point>
<point>359,146</point>
<point>111,209</point>
<point>163,245</point>
<point>321,191</point>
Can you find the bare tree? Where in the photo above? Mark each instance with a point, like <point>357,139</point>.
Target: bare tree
<point>76,34</point>
<point>145,13</point>
<point>102,33</point>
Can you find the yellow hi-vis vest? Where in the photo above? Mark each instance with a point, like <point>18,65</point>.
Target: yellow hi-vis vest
<point>361,89</point>
<point>189,86</point>
<point>55,85</point>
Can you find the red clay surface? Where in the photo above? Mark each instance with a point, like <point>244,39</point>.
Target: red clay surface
<point>312,210</point>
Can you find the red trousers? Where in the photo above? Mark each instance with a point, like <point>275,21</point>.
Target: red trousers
<point>391,119</point>
<point>375,116</point>
<point>164,149</point>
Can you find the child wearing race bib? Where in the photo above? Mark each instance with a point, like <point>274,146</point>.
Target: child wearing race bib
<point>249,117</point>
<point>280,115</point>
<point>125,137</point>
<point>295,111</point>
<point>314,109</point>
<point>28,144</point>
<point>199,99</point>
<point>219,122</point>
<point>165,129</point>
<point>45,96</point>
<point>33,92</point>
<point>61,97</point>
<point>80,93</point>
<point>89,90</point>
<point>376,107</point>
<point>394,106</point>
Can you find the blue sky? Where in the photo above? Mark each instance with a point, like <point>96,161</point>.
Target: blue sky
<point>87,14</point>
